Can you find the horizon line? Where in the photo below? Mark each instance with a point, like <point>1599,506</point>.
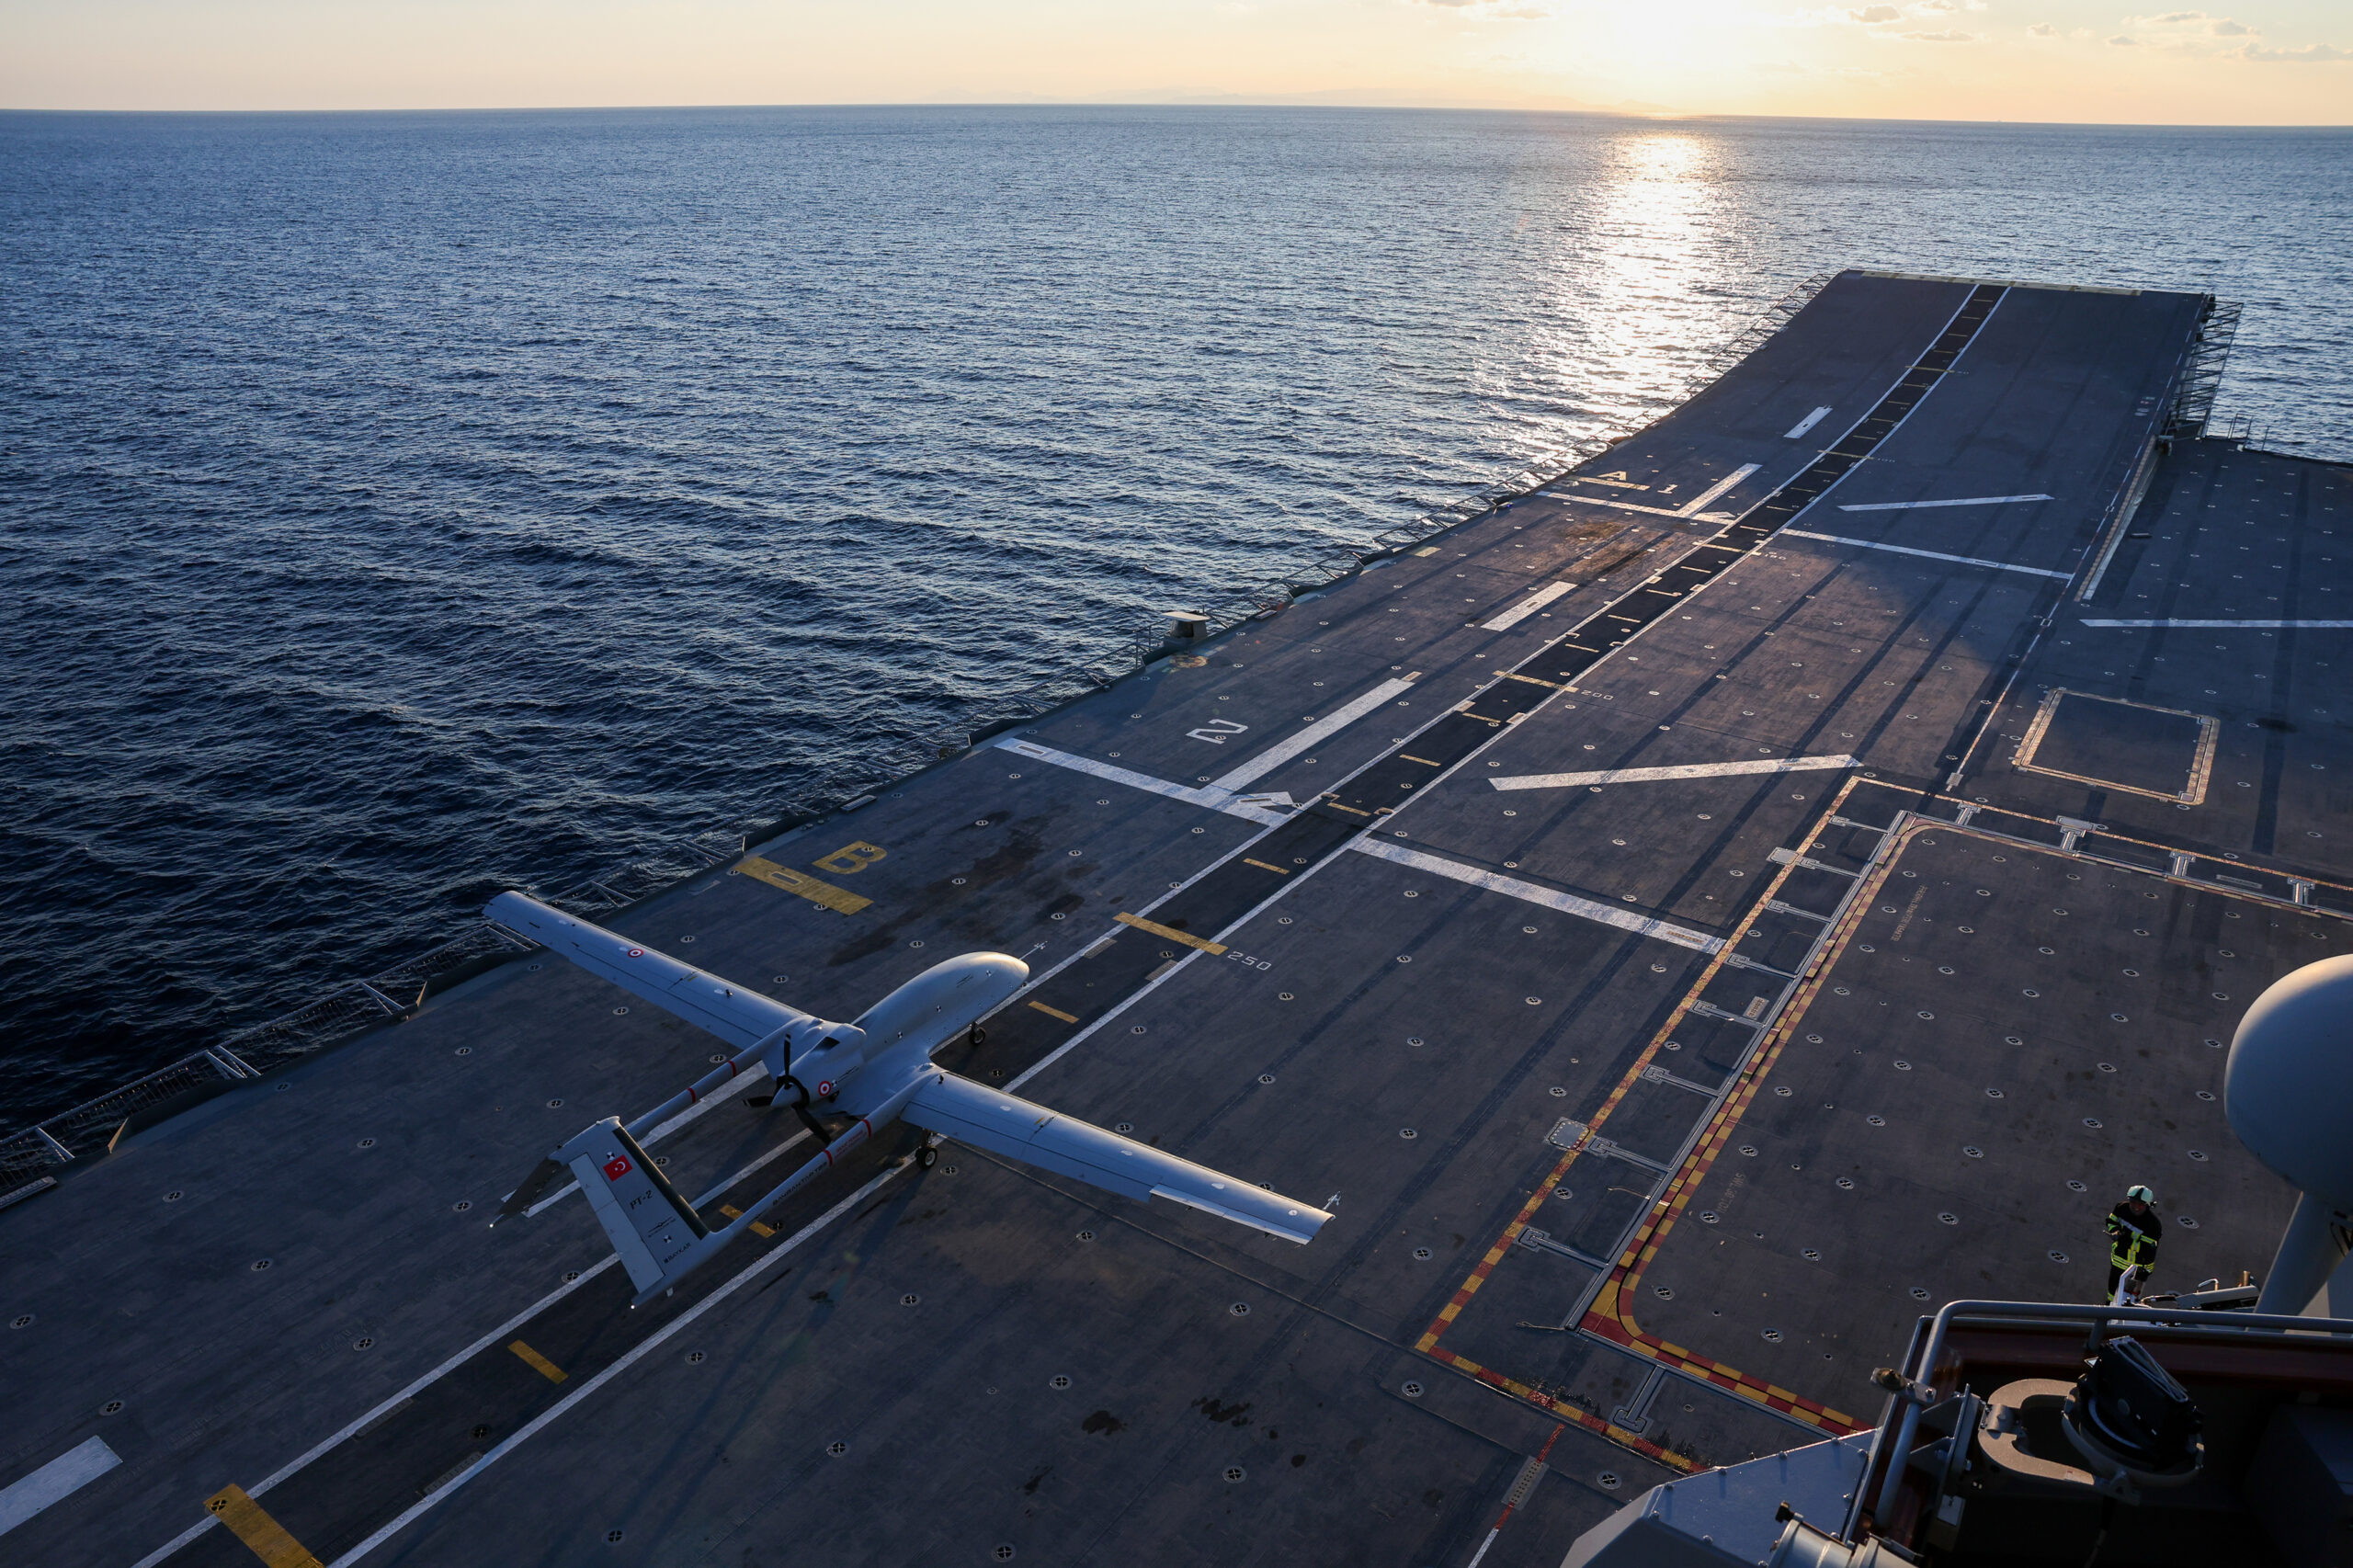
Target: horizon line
<point>1218,101</point>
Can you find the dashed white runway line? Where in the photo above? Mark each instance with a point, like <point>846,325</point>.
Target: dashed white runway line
<point>54,1482</point>
<point>1918,506</point>
<point>1274,757</point>
<point>1567,903</point>
<point>1689,510</point>
<point>1925,554</point>
<point>1209,796</point>
<point>1803,425</point>
<point>1686,770</point>
<point>1527,606</point>
<point>2230,625</point>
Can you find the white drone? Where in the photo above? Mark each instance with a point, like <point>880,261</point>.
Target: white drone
<point>875,1071</point>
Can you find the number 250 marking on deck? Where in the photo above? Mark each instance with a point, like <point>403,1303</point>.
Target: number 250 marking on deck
<point>1216,730</point>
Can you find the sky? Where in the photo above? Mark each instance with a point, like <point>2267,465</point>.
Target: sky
<point>2269,62</point>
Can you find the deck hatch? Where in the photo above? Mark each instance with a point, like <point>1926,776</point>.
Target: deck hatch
<point>2167,753</point>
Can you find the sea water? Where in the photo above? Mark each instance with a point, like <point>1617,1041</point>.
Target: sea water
<point>396,508</point>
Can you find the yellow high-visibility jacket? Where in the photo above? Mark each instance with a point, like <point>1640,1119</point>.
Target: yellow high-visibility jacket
<point>2133,1238</point>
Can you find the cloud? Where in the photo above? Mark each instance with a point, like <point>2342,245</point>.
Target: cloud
<point>1943,38</point>
<point>2306,55</point>
<point>2179,17</point>
<point>1528,14</point>
<point>2043,30</point>
<point>2121,41</point>
<point>2223,26</point>
<point>1876,14</point>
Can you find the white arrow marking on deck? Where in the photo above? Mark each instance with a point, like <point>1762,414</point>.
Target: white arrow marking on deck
<point>54,1482</point>
<point>1927,554</point>
<point>1653,775</point>
<point>1274,757</point>
<point>1916,506</point>
<point>1567,903</point>
<point>1528,606</point>
<point>2227,625</point>
<point>1803,425</point>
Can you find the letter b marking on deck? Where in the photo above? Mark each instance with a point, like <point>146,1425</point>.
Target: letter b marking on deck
<point>850,858</point>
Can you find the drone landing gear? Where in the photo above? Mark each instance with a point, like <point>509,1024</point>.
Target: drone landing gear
<point>926,1158</point>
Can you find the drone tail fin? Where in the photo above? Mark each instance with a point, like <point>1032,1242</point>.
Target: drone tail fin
<point>651,1225</point>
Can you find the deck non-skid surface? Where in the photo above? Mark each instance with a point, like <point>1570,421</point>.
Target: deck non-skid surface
<point>1516,1038</point>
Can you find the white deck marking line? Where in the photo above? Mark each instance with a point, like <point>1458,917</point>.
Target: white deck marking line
<point>1210,796</point>
<point>626,1359</point>
<point>498,1335</point>
<point>1803,425</point>
<point>54,1482</point>
<point>1331,725</point>
<point>1688,510</point>
<point>1191,953</point>
<point>1692,508</point>
<point>2227,625</point>
<point>1527,606</point>
<point>1688,770</point>
<point>1567,903</point>
<point>1917,505</point>
<point>1928,554</point>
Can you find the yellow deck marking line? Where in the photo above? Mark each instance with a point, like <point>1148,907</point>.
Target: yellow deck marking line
<point>1531,680</point>
<point>1174,934</point>
<point>538,1362</point>
<point>822,894</point>
<point>1608,1302</point>
<point>248,1522</point>
<point>2201,766</point>
<point>1278,870</point>
<point>1055,1013</point>
<point>1351,809</point>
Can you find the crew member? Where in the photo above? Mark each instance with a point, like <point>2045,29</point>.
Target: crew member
<point>2133,1232</point>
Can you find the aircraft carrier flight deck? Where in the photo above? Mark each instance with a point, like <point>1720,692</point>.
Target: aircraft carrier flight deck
<point>1684,922</point>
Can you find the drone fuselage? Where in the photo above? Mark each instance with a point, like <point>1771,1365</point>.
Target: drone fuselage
<point>891,1045</point>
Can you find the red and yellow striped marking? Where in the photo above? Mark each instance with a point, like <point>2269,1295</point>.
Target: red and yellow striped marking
<point>1611,1315</point>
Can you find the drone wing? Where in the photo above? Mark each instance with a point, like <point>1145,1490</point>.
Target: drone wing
<point>958,1108</point>
<point>739,1016</point>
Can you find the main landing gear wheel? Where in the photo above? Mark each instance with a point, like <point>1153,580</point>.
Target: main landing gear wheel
<point>926,1158</point>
